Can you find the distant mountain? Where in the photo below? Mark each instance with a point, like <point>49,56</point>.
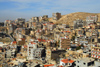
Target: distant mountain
<point>69,18</point>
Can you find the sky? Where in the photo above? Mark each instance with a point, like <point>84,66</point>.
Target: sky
<point>13,9</point>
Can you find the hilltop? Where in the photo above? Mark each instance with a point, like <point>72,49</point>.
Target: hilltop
<point>69,18</point>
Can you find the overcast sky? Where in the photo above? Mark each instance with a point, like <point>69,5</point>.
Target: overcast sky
<point>12,9</point>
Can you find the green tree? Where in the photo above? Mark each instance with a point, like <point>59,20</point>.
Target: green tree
<point>79,47</point>
<point>75,34</point>
<point>73,38</point>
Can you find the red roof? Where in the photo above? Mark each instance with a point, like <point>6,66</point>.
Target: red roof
<point>23,38</point>
<point>67,48</point>
<point>62,38</point>
<point>14,42</point>
<point>33,43</point>
<point>25,46</point>
<point>66,36</point>
<point>48,65</point>
<point>7,20</point>
<point>67,31</point>
<point>48,40</point>
<point>44,24</point>
<point>41,40</point>
<point>60,66</point>
<point>45,28</point>
<point>0,48</point>
<point>39,30</point>
<point>13,58</point>
<point>52,23</point>
<point>71,61</point>
<point>67,61</point>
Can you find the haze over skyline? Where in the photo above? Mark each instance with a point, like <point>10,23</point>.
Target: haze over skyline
<point>12,9</point>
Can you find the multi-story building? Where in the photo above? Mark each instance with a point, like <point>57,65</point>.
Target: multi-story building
<point>38,53</point>
<point>78,23</point>
<point>67,62</point>
<point>30,50</point>
<point>8,24</point>
<point>20,20</point>
<point>84,62</point>
<point>10,53</point>
<point>4,29</point>
<point>64,43</point>
<point>34,52</point>
<point>1,24</point>
<point>91,19</point>
<point>48,54</point>
<point>45,17</point>
<point>95,52</point>
<point>51,26</point>
<point>56,16</point>
<point>34,19</point>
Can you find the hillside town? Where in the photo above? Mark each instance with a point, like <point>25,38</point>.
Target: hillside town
<point>39,42</point>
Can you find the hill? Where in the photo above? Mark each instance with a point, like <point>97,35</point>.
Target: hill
<point>69,18</point>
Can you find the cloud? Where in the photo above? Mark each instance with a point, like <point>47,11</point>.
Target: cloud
<point>30,8</point>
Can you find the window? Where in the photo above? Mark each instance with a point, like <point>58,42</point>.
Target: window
<point>99,40</point>
<point>92,62</point>
<point>89,64</point>
<point>78,61</point>
<point>92,40</point>
<point>63,64</point>
<point>84,63</point>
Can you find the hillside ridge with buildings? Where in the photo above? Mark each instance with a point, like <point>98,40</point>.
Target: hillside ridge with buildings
<point>42,43</point>
<point>69,18</point>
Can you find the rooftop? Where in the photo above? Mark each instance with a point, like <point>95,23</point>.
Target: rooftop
<point>67,61</point>
<point>46,65</point>
<point>86,59</point>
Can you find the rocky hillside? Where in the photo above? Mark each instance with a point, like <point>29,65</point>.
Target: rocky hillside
<point>69,18</point>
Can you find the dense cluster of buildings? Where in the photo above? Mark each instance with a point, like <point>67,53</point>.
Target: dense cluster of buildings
<point>41,43</point>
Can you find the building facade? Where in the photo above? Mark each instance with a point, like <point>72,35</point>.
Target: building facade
<point>56,16</point>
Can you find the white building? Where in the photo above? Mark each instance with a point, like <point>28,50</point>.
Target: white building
<point>91,19</point>
<point>84,62</point>
<point>38,53</point>
<point>66,62</point>
<point>10,53</point>
<point>30,50</point>
<point>97,64</point>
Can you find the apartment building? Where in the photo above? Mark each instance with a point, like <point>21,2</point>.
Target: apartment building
<point>95,52</point>
<point>84,62</point>
<point>30,50</point>
<point>56,16</point>
<point>91,19</point>
<point>64,43</point>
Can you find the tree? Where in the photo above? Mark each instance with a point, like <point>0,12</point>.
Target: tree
<point>73,38</point>
<point>75,33</point>
<point>79,47</point>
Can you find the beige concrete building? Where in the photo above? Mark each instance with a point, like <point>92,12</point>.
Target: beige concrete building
<point>95,52</point>
<point>48,53</point>
<point>56,16</point>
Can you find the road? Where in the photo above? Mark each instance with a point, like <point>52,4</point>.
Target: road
<point>6,35</point>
